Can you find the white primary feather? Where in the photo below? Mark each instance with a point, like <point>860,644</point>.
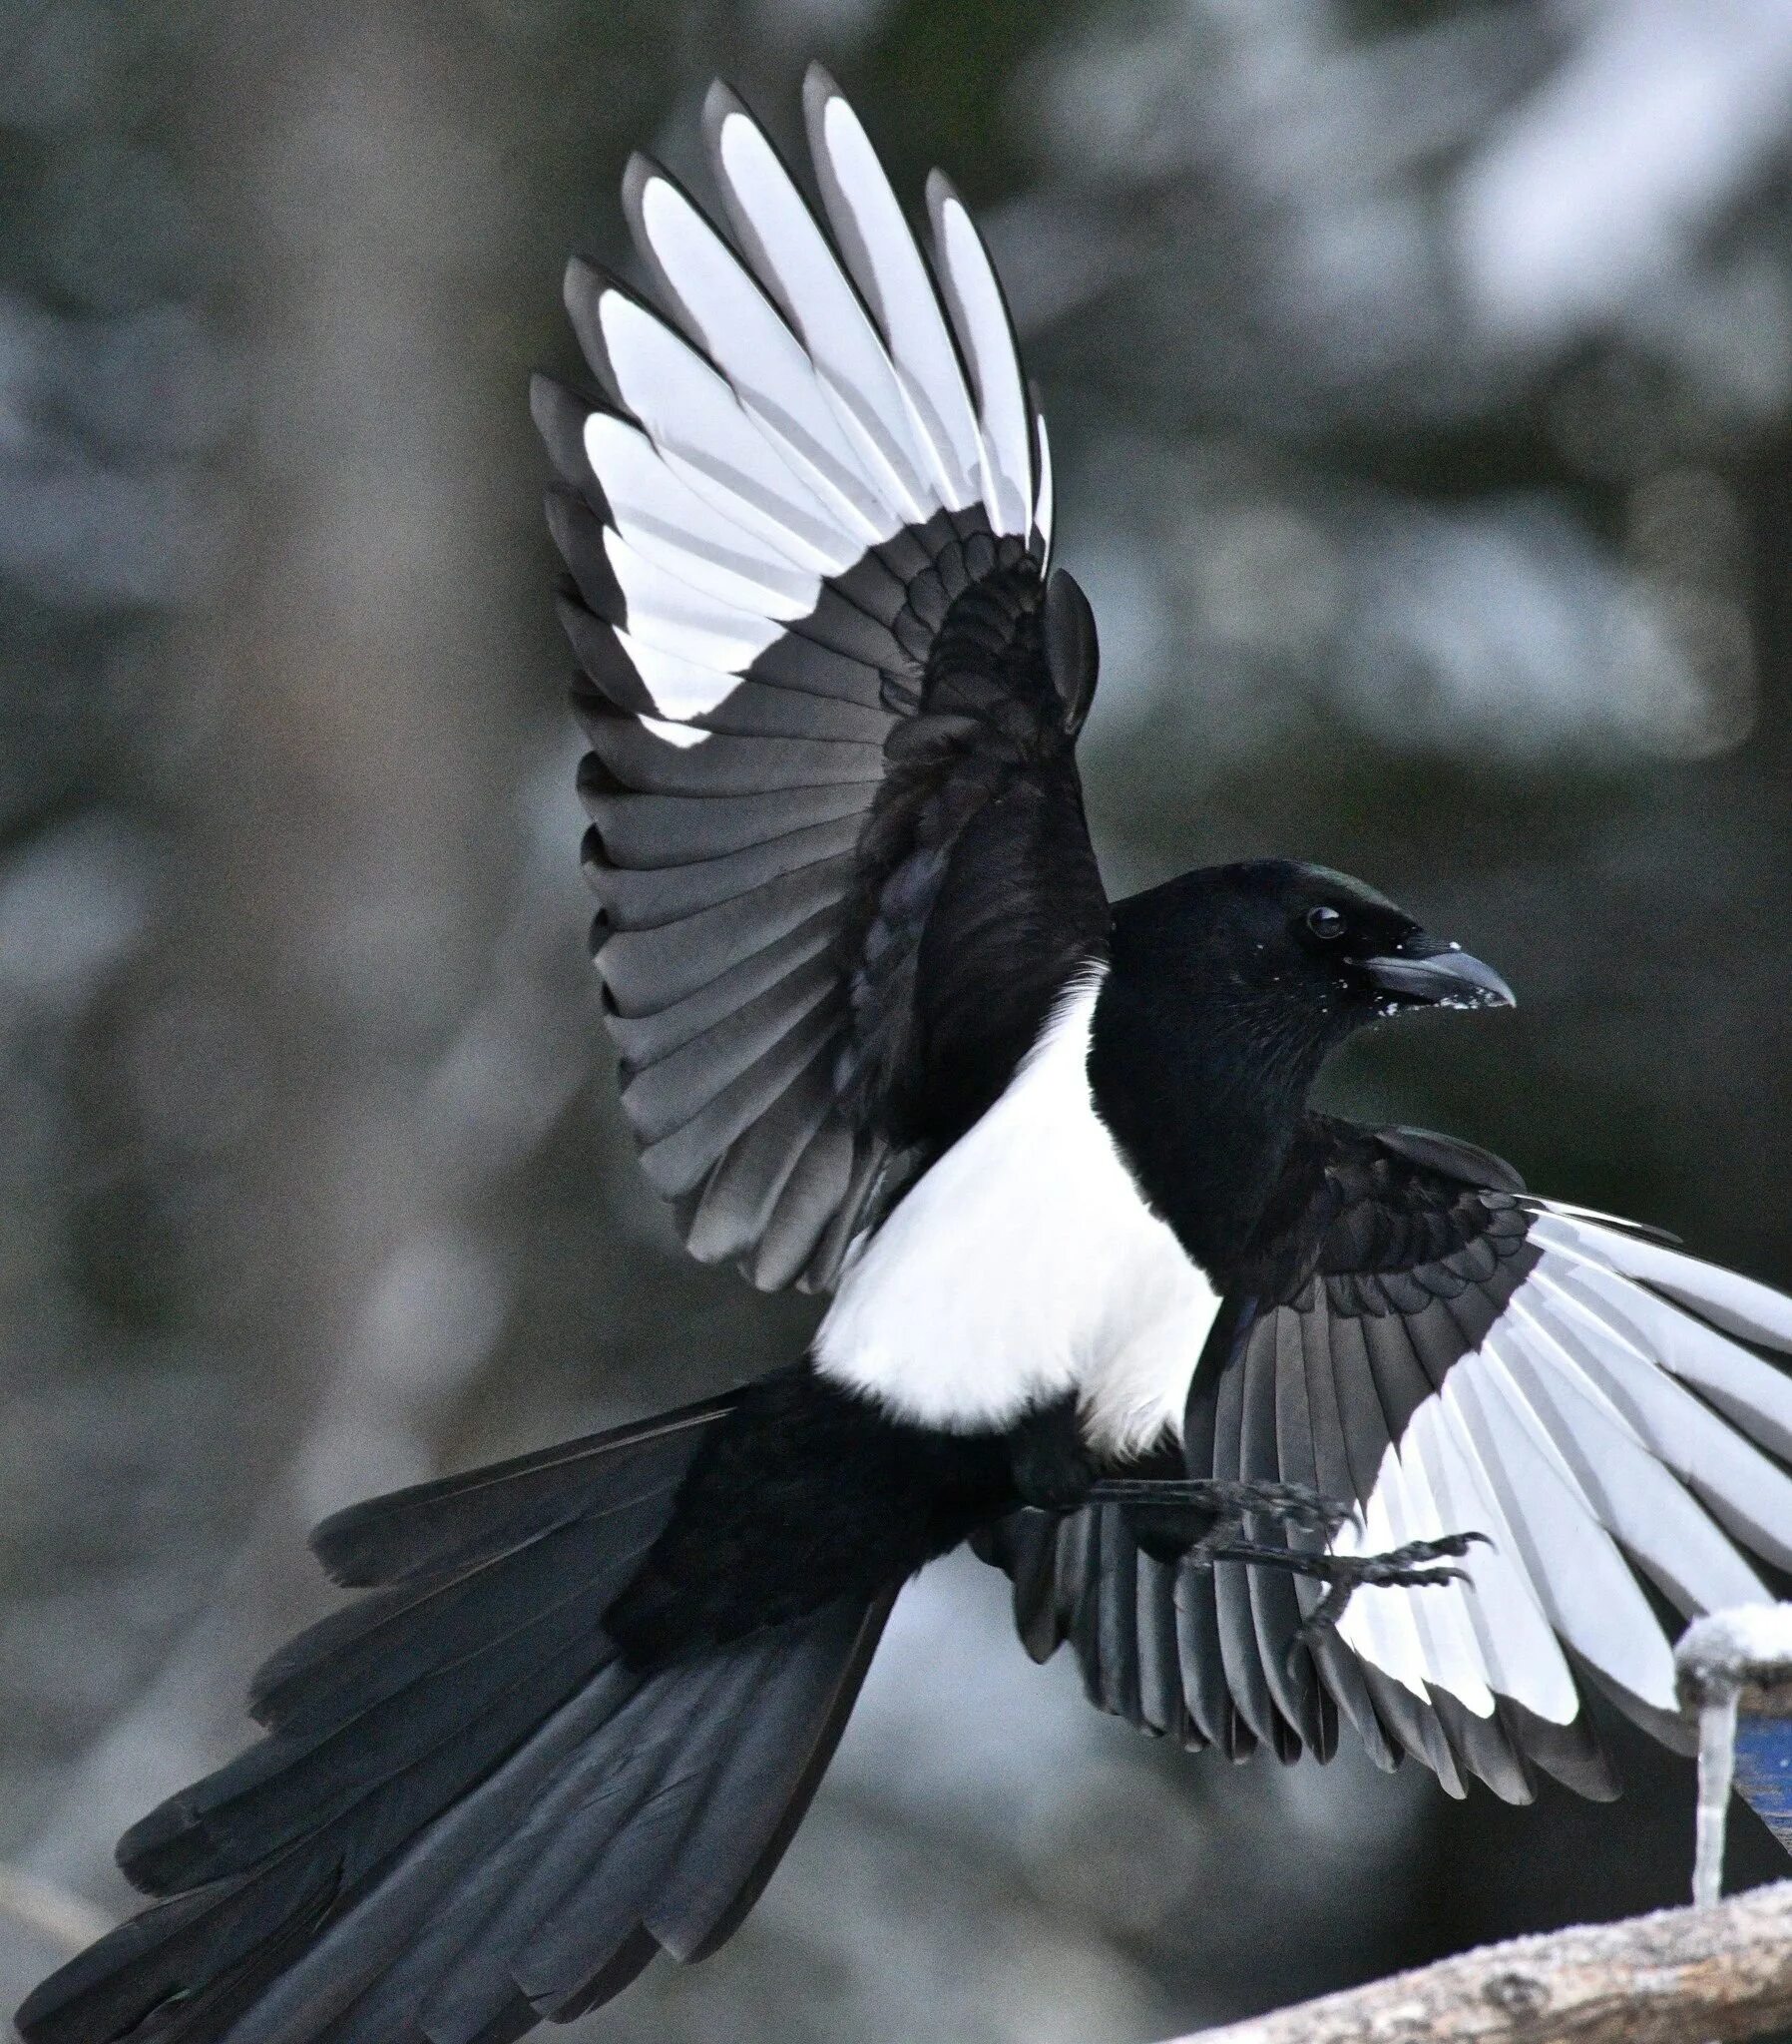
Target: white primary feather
<point>694,419</point>
<point>742,331</point>
<point>1385,1630</point>
<point>1747,1490</point>
<point>1447,1647</point>
<point>888,267</point>
<point>784,428</point>
<point>1740,1306</point>
<point>980,320</point>
<point>664,519</point>
<point>677,687</point>
<point>1582,1580</point>
<point>1427,1480</point>
<point>1734,1304</point>
<point>1043,506</point>
<point>791,257</point>
<point>1570,1439</point>
<point>679,618</point>
<point>1636,1496</point>
<point>1755,1396</point>
<point>1025,1264</point>
<point>1523,1656</point>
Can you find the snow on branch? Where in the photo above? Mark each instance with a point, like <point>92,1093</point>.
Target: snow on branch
<point>1680,1976</point>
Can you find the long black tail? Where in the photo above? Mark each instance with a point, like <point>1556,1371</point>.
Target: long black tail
<point>470,1812</point>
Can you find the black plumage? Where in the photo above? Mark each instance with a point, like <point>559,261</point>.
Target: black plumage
<point>1364,1264</point>
<point>497,1772</point>
<point>968,734</point>
<point>1280,1423</point>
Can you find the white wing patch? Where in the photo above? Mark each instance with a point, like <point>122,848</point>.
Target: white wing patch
<point>664,518</point>
<point>1582,1439</point>
<point>981,320</point>
<point>1023,1266</point>
<point>796,408</point>
<point>1043,505</point>
<point>889,269</point>
<point>698,425</point>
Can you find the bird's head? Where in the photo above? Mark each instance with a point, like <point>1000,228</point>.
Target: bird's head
<point>1300,954</point>
<point>1323,938</point>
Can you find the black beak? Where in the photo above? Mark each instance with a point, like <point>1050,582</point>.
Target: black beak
<point>1439,975</point>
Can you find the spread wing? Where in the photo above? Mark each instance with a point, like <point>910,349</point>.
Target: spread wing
<point>1426,1339</point>
<point>831,693</point>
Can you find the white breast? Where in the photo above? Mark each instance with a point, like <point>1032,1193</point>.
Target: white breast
<point>1023,1266</point>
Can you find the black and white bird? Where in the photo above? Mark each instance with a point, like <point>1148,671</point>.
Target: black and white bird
<point>1278,1421</point>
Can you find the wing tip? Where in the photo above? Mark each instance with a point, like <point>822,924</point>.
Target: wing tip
<point>638,173</point>
<point>583,288</point>
<point>721,102</point>
<point>819,86</point>
<point>820,95</point>
<point>559,413</point>
<point>579,531</point>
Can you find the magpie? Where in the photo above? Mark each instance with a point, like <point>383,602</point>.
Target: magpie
<point>1280,1422</point>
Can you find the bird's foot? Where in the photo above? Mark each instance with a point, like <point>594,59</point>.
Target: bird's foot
<point>1419,1565</point>
<point>1203,1520</point>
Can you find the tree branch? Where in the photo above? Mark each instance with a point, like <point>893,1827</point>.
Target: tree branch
<point>1681,1976</point>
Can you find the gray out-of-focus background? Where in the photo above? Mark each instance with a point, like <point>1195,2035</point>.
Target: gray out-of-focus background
<point>1421,381</point>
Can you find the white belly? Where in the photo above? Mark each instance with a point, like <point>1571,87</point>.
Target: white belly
<point>1023,1266</point>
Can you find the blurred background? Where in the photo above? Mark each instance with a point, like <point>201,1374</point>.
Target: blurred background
<point>1421,382</point>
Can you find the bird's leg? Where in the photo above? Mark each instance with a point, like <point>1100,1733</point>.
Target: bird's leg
<point>1199,1516</point>
<point>1224,1503</point>
<point>1048,1460</point>
<point>1202,1519</point>
<point>1174,1516</point>
<point>1052,1469</point>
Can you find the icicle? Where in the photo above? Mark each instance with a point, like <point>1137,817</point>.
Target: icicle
<point>1719,1657</point>
<point>1716,1770</point>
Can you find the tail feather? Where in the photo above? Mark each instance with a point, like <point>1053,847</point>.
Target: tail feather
<point>470,1812</point>
<point>311,1996</point>
<point>183,1967</point>
<point>423,1635</point>
<point>537,1925</point>
<point>383,1765</point>
<point>433,1544</point>
<point>446,1523</point>
<point>749,1820</point>
<point>469,1936</point>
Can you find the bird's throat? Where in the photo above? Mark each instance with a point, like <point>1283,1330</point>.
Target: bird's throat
<point>1204,1107</point>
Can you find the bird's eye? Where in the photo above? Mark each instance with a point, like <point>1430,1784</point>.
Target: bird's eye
<point>1325,923</point>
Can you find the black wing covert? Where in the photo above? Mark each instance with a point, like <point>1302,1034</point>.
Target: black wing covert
<point>831,692</point>
<point>1416,1333</point>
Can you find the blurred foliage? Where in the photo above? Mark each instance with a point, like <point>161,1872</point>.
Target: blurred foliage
<point>1421,387</point>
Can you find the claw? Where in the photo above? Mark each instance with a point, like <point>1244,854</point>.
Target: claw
<point>1412,1567</point>
<point>1229,1505</point>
